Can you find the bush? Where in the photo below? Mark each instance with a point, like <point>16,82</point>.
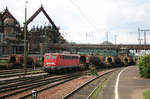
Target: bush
<point>93,70</point>
<point>147,94</point>
<point>144,66</point>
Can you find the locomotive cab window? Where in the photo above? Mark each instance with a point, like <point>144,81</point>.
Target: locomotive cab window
<point>53,57</point>
<point>47,57</point>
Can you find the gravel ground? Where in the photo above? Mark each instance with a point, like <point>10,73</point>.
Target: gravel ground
<point>63,89</point>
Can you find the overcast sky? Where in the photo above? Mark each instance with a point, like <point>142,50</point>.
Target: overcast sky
<point>87,21</point>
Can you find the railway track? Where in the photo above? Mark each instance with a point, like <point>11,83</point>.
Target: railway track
<point>22,89</point>
<point>12,82</point>
<point>85,91</point>
<point>9,71</point>
<point>18,72</point>
<point>15,70</point>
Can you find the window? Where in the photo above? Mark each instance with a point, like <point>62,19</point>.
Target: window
<point>69,57</point>
<point>53,57</point>
<point>47,57</point>
<point>74,57</point>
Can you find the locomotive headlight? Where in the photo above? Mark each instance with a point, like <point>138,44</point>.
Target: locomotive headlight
<point>52,63</point>
<point>47,63</point>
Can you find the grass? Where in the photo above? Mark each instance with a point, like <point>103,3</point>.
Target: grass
<point>36,71</point>
<point>97,91</point>
<point>147,94</point>
<point>4,61</point>
<point>3,64</point>
<point>108,64</point>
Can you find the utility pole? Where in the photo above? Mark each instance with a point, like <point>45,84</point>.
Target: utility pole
<point>25,38</point>
<point>145,30</point>
<point>107,37</point>
<point>115,39</point>
<point>139,39</point>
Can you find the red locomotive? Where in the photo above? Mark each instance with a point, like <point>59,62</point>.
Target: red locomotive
<point>59,61</point>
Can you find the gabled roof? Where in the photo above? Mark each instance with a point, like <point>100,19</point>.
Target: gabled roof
<point>7,13</point>
<point>37,12</point>
<point>1,14</point>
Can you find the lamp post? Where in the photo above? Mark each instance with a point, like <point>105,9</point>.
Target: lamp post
<point>25,38</point>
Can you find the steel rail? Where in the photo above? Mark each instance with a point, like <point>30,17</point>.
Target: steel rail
<point>19,78</point>
<point>39,84</point>
<point>68,79</point>
<point>95,89</point>
<point>86,83</point>
<point>22,84</point>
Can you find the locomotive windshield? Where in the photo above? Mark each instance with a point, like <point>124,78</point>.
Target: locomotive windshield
<point>50,57</point>
<point>53,57</point>
<point>47,57</point>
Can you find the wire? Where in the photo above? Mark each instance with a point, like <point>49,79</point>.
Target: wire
<point>83,15</point>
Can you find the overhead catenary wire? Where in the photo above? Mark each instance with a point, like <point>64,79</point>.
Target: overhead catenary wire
<point>83,15</point>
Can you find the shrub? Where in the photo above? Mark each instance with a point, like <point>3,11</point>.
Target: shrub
<point>93,70</point>
<point>147,94</point>
<point>144,66</point>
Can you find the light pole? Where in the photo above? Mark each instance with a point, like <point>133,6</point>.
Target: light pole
<point>25,38</point>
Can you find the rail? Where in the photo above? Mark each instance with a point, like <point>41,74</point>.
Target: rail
<point>83,85</point>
